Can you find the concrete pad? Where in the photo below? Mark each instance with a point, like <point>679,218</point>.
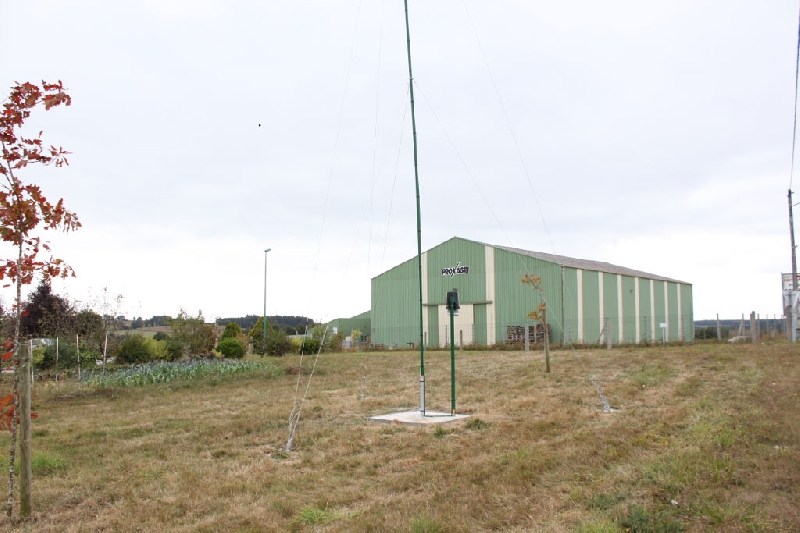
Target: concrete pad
<point>415,418</point>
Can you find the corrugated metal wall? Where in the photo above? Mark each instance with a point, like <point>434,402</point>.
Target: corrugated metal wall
<point>687,310</point>
<point>660,316</point>
<point>345,326</point>
<point>471,287</point>
<point>578,301</point>
<point>570,303</point>
<point>628,310</point>
<point>611,305</point>
<point>672,314</point>
<point>646,318</point>
<point>515,300</point>
<point>395,306</point>
<point>592,321</point>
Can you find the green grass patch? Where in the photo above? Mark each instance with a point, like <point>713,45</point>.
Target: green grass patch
<point>476,424</point>
<point>652,375</point>
<point>640,520</point>
<point>312,516</point>
<point>425,525</point>
<point>42,464</point>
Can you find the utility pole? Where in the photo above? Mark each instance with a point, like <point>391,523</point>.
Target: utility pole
<point>419,223</point>
<point>793,293</point>
<point>265,298</point>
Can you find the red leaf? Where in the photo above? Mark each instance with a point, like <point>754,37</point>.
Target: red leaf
<point>25,313</point>
<point>5,400</point>
<point>6,356</point>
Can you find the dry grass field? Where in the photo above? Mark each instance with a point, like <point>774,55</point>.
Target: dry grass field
<point>705,437</point>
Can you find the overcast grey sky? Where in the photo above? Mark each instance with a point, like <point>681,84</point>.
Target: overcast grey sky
<point>654,135</point>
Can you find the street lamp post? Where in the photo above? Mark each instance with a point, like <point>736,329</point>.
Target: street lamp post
<point>265,297</point>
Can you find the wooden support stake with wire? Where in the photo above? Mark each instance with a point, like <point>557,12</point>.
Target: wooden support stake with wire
<point>546,341</point>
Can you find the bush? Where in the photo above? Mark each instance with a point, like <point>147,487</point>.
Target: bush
<point>67,357</point>
<point>175,349</point>
<point>134,349</point>
<point>278,343</point>
<point>231,348</point>
<point>310,345</point>
<point>232,331</point>
<point>257,337</point>
<point>161,336</point>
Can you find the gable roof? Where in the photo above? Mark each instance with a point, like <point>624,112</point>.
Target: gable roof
<point>586,264</point>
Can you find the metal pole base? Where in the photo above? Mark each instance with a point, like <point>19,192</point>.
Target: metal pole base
<point>422,395</point>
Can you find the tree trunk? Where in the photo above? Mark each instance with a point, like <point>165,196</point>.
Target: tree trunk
<point>24,379</point>
<point>12,448</point>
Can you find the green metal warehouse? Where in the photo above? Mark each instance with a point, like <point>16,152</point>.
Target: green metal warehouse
<point>584,299</point>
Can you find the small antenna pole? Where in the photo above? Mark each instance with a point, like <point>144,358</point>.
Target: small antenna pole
<point>419,224</point>
<point>793,292</point>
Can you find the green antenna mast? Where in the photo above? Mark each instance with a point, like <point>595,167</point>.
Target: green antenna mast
<point>419,226</point>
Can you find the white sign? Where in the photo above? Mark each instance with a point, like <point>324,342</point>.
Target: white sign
<point>458,269</point>
<point>787,281</point>
<point>663,325</point>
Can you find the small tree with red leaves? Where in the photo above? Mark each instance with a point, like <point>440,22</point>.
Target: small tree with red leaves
<point>24,209</point>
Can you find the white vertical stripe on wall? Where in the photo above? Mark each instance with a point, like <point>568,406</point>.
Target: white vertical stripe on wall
<point>666,311</point>
<point>680,315</point>
<point>652,311</point>
<point>491,309</point>
<point>580,306</point>
<point>619,307</point>
<point>638,334</point>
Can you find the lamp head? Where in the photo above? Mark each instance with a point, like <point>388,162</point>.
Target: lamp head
<point>267,250</point>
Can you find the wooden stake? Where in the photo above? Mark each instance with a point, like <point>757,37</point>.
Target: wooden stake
<point>546,341</point>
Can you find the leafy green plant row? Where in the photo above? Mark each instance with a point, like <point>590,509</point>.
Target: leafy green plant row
<point>166,372</point>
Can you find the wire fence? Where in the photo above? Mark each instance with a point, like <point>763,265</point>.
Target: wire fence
<point>589,332</point>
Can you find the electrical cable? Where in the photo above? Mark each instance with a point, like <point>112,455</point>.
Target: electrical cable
<point>794,126</point>
<point>375,143</point>
<point>510,128</point>
<point>294,416</point>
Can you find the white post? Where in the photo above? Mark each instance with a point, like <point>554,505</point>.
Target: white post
<point>527,339</point>
<point>30,356</point>
<point>105,351</point>
<point>56,365</point>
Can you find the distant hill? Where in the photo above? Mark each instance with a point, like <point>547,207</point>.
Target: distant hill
<point>247,322</point>
<point>734,323</point>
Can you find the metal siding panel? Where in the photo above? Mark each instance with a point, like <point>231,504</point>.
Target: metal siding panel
<point>515,300</point>
<point>570,281</point>
<point>471,287</point>
<point>658,300</point>
<point>629,309</point>
<point>611,304</point>
<point>688,313</point>
<point>592,321</point>
<point>395,305</point>
<point>672,315</point>
<point>646,320</point>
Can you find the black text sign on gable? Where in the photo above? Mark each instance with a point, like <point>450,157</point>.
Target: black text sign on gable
<point>452,271</point>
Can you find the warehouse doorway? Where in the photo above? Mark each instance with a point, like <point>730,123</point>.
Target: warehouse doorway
<point>464,326</point>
